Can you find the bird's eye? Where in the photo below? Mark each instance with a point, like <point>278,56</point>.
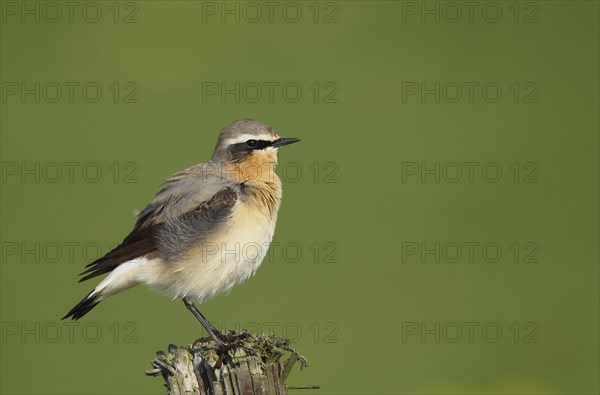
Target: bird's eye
<point>251,143</point>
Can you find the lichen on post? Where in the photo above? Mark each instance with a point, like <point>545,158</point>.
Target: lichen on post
<point>248,364</point>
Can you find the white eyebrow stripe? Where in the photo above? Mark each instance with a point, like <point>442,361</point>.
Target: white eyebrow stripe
<point>245,137</point>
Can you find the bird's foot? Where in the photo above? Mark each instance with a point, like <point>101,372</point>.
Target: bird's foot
<point>234,342</point>
<point>213,334</point>
<point>224,355</point>
<point>228,341</point>
<point>201,340</point>
<point>224,342</point>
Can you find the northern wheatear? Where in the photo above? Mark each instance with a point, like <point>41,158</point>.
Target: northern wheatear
<point>192,241</point>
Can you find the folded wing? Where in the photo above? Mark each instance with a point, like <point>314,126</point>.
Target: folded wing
<point>179,216</point>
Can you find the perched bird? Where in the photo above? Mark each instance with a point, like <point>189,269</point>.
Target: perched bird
<point>206,231</point>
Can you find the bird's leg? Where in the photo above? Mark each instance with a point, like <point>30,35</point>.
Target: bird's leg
<point>222,348</point>
<point>212,331</point>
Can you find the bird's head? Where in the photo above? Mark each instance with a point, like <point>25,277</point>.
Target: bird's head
<point>249,142</point>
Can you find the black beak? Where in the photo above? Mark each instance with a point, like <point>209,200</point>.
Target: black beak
<point>284,141</point>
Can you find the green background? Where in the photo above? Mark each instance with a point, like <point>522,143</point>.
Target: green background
<point>348,308</point>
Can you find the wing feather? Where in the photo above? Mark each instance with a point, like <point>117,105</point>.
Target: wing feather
<point>178,216</point>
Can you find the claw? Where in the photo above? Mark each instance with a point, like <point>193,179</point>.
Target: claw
<point>223,353</point>
<point>201,340</point>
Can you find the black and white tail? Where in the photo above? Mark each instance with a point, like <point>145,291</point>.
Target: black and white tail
<point>83,307</point>
<point>123,277</point>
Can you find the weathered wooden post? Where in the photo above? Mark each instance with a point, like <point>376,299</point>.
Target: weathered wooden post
<point>251,364</point>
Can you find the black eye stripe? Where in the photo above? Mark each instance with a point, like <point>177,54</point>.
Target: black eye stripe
<point>238,151</point>
<point>258,144</point>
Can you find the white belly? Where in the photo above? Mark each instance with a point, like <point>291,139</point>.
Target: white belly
<point>216,265</point>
